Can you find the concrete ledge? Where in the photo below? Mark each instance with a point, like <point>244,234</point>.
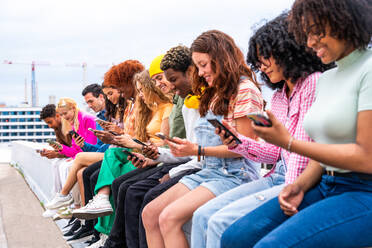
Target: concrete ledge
<point>37,170</point>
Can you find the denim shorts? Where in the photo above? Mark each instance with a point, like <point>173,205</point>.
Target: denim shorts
<point>213,179</point>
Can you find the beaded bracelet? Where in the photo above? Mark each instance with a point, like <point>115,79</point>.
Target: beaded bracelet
<point>290,144</point>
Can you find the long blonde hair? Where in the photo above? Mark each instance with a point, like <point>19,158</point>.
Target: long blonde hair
<point>67,103</point>
<point>144,112</point>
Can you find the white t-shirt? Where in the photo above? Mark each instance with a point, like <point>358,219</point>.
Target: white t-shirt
<point>341,93</point>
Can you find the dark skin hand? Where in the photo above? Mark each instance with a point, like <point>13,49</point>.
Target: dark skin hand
<point>57,146</point>
<point>150,151</point>
<point>141,161</point>
<point>290,198</point>
<point>50,154</point>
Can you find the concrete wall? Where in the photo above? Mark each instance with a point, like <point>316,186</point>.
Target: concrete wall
<point>37,170</point>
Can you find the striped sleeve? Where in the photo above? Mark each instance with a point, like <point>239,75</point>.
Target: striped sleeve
<point>248,100</point>
<point>257,151</point>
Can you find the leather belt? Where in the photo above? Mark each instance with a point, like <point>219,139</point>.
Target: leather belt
<point>361,176</point>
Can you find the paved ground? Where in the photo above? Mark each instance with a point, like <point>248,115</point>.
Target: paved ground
<point>21,223</point>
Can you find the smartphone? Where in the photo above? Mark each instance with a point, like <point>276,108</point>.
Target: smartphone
<point>74,133</point>
<point>132,155</point>
<point>164,137</point>
<point>52,142</point>
<point>216,123</point>
<point>139,142</point>
<point>38,150</point>
<point>260,120</point>
<point>113,133</point>
<point>102,122</point>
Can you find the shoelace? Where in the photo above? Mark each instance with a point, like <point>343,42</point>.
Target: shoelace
<point>92,203</point>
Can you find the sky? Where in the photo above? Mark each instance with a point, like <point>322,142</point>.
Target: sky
<point>61,35</point>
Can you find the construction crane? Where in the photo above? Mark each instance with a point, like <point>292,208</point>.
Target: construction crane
<point>33,64</point>
<point>34,100</point>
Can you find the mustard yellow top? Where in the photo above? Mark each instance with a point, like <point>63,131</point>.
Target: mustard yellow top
<point>163,112</point>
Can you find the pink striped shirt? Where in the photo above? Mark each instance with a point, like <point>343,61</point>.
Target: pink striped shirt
<point>291,113</point>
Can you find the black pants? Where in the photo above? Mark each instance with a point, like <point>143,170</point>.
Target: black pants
<point>118,189</point>
<point>150,195</point>
<point>90,177</point>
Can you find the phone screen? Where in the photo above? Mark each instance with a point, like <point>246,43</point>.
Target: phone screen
<point>260,120</point>
<point>216,123</point>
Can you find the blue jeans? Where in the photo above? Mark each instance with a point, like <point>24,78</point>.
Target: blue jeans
<point>213,218</point>
<point>335,213</point>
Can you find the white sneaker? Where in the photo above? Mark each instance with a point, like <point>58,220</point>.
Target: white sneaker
<point>97,207</point>
<point>59,201</point>
<point>100,242</point>
<point>49,213</point>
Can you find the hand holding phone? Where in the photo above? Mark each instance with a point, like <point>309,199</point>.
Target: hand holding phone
<point>132,155</point>
<point>217,124</point>
<point>165,137</point>
<point>139,142</point>
<point>100,121</point>
<point>260,120</point>
<point>74,134</point>
<point>54,144</point>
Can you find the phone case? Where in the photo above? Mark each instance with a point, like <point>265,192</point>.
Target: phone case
<point>260,120</point>
<point>216,123</point>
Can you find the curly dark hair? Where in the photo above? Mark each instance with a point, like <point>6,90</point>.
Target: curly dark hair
<point>227,62</point>
<point>48,111</point>
<point>349,20</point>
<point>273,39</point>
<point>178,58</point>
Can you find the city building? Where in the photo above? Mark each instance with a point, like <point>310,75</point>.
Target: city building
<point>23,123</point>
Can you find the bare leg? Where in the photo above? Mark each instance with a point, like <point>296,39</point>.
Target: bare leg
<point>152,211</point>
<point>104,190</point>
<point>178,213</point>
<point>81,185</point>
<point>82,159</point>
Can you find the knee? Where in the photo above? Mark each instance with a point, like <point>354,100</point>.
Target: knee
<point>80,175</point>
<point>168,220</point>
<point>78,157</point>
<point>150,215</point>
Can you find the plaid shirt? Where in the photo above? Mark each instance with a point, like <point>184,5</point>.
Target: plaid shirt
<point>291,113</point>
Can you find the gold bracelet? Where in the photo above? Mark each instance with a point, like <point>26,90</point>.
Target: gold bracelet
<point>290,144</point>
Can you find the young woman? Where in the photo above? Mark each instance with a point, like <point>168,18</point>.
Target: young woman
<point>329,204</point>
<point>230,92</point>
<point>293,72</point>
<point>74,119</point>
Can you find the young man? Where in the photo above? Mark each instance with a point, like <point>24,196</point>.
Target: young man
<point>50,116</point>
